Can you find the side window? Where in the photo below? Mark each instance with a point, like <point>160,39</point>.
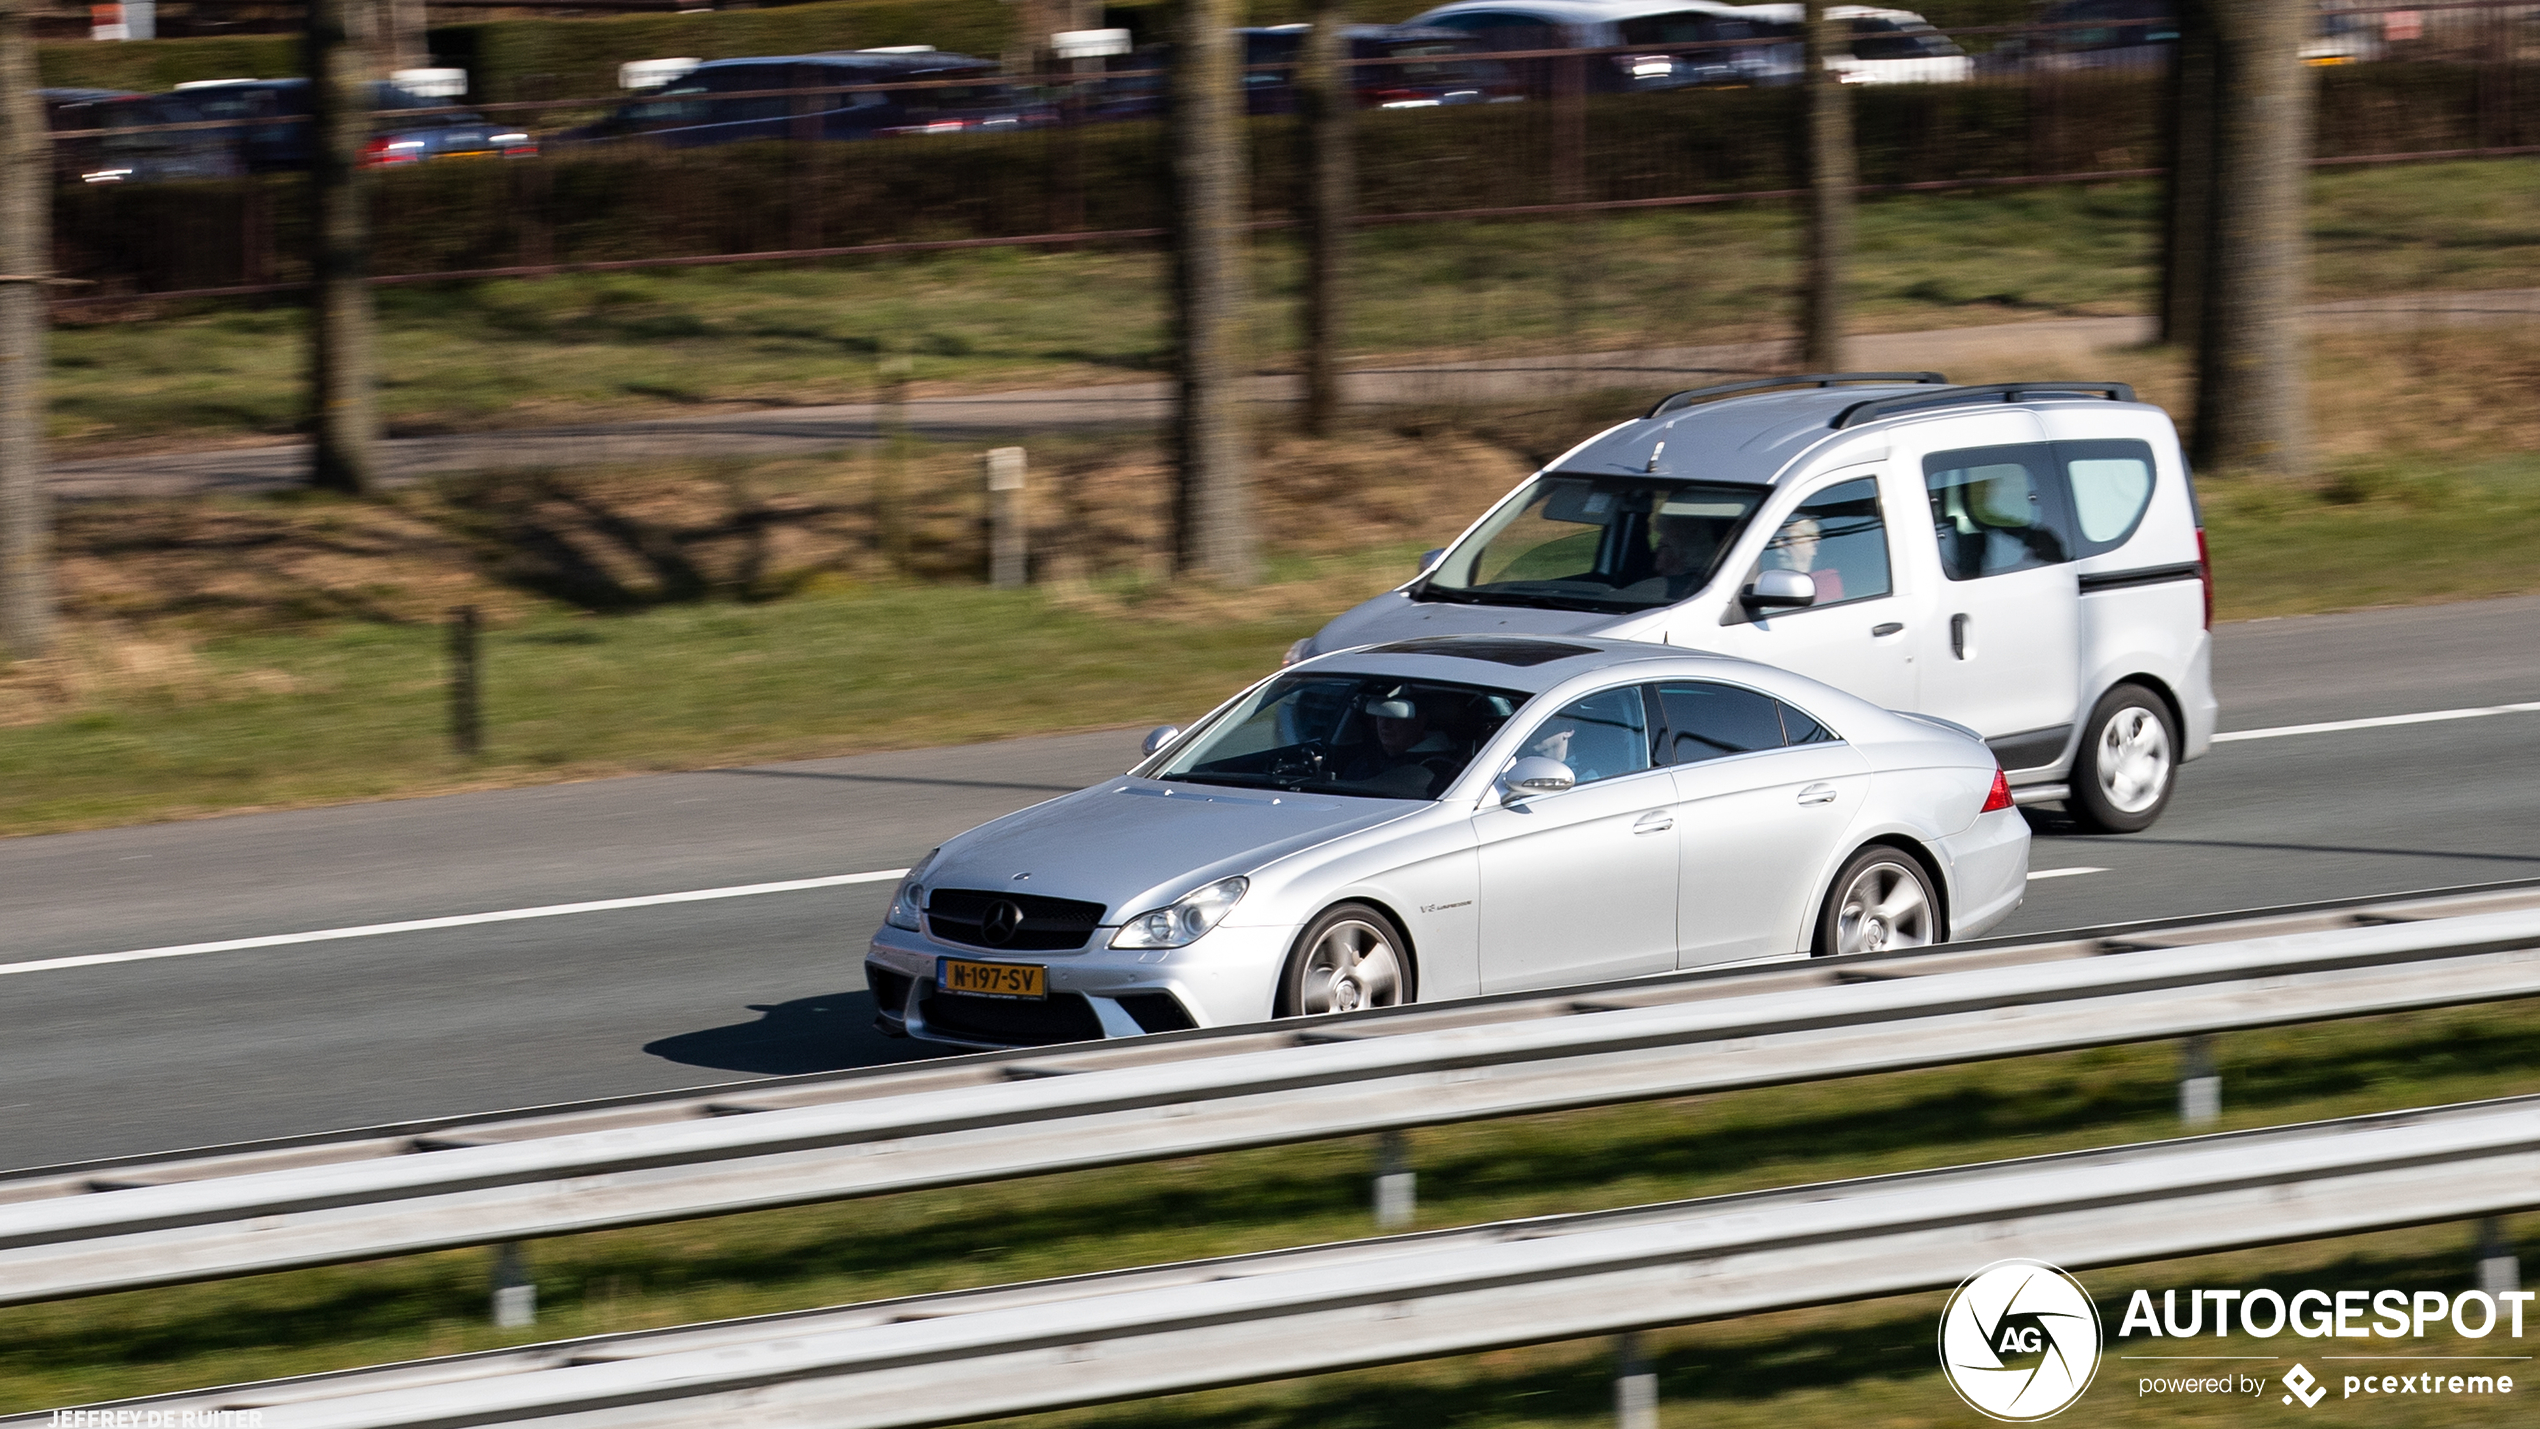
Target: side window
<point>1838,540</point>
<point>1800,728</point>
<point>1707,721</point>
<point>2111,486</point>
<point>1599,736</point>
<point>1995,510</point>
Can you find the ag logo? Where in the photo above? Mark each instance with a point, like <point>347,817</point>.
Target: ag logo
<point>2020,1340</point>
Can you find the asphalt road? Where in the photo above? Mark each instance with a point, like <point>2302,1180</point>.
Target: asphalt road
<point>119,1057</point>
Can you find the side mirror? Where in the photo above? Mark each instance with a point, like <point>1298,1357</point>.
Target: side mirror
<point>1429,562</point>
<point>1533,775</point>
<point>1160,736</point>
<point>1779,590</point>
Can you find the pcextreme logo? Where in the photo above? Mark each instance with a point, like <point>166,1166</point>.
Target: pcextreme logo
<point>2019,1340</point>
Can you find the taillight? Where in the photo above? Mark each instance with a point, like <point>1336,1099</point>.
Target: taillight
<point>1999,798</point>
<point>2205,574</point>
<point>375,153</point>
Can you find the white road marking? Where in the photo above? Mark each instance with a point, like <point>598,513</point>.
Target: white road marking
<point>2038,873</point>
<point>461,920</point>
<point>2334,726</point>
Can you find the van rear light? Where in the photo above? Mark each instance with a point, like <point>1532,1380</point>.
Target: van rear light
<point>2000,796</point>
<point>2205,576</point>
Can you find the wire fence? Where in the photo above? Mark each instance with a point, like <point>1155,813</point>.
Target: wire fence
<point>203,192</point>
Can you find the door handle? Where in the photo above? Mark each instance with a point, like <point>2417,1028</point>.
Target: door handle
<point>1960,643</point>
<point>1886,627</point>
<point>1656,822</point>
<point>1818,794</point>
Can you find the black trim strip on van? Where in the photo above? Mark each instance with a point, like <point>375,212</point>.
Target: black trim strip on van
<point>2149,575</point>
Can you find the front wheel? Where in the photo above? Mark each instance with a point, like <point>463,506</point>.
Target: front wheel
<point>1882,901</point>
<point>2128,762</point>
<point>1350,957</point>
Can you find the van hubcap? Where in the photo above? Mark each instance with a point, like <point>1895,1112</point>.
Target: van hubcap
<point>2134,759</point>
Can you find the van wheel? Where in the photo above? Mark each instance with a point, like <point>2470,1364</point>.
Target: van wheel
<point>1881,901</point>
<point>2128,762</point>
<point>1349,958</point>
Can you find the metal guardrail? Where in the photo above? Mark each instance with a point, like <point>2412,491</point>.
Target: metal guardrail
<point>188,1219</point>
<point>1012,1349</point>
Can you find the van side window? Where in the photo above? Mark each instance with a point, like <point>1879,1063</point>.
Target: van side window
<point>1995,510</point>
<point>1837,539</point>
<point>1707,721</point>
<point>2111,487</point>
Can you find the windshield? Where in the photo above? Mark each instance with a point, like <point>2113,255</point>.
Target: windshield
<point>1373,736</point>
<point>1595,543</point>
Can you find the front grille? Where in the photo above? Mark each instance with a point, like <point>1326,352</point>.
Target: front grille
<point>1062,1017</point>
<point>1046,925</point>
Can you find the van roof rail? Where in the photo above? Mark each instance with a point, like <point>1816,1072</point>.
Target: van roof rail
<point>1878,407</point>
<point>1687,398</point>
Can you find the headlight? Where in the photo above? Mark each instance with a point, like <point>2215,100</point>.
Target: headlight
<point>1301,650</point>
<point>904,910</point>
<point>1182,923</point>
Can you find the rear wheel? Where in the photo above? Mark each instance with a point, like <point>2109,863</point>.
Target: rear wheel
<point>1350,957</point>
<point>1883,900</point>
<point>2128,762</point>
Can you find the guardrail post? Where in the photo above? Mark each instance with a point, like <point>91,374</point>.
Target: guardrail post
<point>515,1294</point>
<point>1397,1185</point>
<point>2499,1270</point>
<point>2199,1085</point>
<point>1007,557</point>
<point>1635,1385</point>
<point>467,715</point>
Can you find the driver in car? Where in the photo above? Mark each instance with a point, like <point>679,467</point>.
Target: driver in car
<point>1402,741</point>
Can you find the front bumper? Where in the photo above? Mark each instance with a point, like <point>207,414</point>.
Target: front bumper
<point>1227,977</point>
<point>1988,871</point>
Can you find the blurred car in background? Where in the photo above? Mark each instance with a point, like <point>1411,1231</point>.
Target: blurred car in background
<point>1887,46</point>
<point>1753,49</point>
<point>1427,68</point>
<point>69,111</point>
<point>724,101</point>
<point>265,129</point>
<point>2137,34</point>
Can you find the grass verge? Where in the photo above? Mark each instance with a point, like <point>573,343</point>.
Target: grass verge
<point>1864,1363</point>
<point>473,356</point>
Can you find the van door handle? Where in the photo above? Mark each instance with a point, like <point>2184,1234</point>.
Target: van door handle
<point>1818,794</point>
<point>1657,821</point>
<point>1886,627</point>
<point>1959,643</point>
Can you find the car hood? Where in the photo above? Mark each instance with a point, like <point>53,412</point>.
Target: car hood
<point>1395,616</point>
<point>1136,844</point>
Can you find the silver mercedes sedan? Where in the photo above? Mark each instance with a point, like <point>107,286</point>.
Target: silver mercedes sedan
<point>1437,818</point>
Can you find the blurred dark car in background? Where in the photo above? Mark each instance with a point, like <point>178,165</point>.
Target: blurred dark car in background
<point>266,131</point>
<point>714,103</point>
<point>1429,68</point>
<point>1754,49</point>
<point>69,111</point>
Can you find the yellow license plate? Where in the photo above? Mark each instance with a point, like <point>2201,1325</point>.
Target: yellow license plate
<point>992,979</point>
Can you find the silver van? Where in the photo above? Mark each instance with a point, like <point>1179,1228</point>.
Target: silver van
<point>2022,559</point>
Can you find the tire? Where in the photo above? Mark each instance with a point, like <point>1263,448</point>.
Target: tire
<point>1882,900</point>
<point>2128,763</point>
<point>1350,957</point>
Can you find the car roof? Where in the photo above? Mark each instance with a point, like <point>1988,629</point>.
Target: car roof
<point>895,60</point>
<point>1752,438</point>
<point>1527,663</point>
<point>1574,12</point>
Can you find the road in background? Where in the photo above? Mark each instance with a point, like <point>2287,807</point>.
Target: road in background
<point>134,1056</point>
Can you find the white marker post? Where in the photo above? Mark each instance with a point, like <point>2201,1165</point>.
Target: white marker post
<point>1008,554</point>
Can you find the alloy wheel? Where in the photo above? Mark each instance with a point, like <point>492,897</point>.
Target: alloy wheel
<point>2133,761</point>
<point>1885,906</point>
<point>1352,965</point>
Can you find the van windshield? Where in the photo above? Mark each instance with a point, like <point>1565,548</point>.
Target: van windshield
<point>1578,542</point>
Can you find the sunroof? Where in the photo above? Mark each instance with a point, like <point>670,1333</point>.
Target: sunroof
<point>1498,649</point>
